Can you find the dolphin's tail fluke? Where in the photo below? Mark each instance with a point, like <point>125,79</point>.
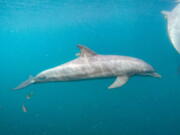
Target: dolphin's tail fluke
<point>25,83</point>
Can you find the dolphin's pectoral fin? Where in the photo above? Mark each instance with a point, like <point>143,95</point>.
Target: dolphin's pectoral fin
<point>165,13</point>
<point>120,81</point>
<point>85,52</point>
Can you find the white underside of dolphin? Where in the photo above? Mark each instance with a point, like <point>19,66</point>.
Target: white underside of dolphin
<point>173,26</point>
<point>90,65</point>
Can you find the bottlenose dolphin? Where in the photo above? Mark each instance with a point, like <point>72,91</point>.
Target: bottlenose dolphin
<point>91,65</point>
<point>173,25</point>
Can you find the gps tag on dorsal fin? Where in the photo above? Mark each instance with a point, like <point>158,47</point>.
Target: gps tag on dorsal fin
<point>120,81</point>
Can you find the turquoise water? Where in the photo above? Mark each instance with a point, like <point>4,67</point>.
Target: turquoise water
<point>40,34</point>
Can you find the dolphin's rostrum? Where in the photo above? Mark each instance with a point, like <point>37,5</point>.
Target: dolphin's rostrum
<point>91,65</point>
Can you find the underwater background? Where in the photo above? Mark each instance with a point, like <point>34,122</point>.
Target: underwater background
<point>39,34</point>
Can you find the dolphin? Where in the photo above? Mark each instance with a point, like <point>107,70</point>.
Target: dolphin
<point>91,65</point>
<point>173,25</point>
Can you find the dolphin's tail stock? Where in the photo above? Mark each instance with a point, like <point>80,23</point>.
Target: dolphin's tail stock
<point>25,83</point>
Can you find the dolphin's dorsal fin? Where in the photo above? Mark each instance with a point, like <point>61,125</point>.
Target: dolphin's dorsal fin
<point>85,52</point>
<point>120,81</point>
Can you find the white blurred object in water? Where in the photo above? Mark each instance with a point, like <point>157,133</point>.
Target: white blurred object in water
<point>173,25</point>
<point>24,109</point>
<point>29,96</point>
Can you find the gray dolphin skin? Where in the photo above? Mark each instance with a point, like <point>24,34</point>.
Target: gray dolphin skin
<point>91,65</point>
<point>173,25</point>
